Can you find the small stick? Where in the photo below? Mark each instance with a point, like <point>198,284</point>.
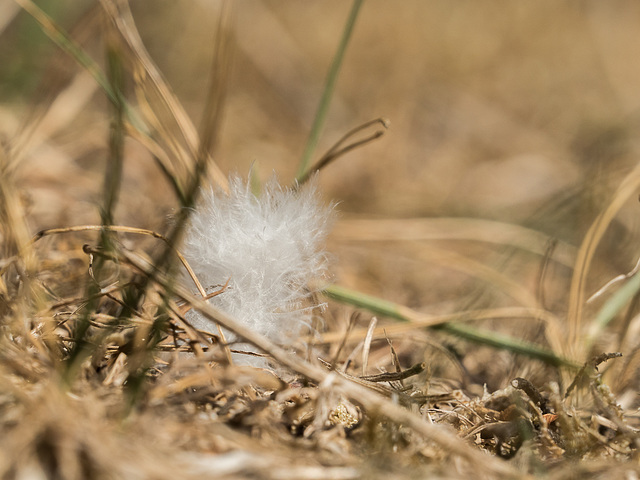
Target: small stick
<point>396,376</point>
<point>617,279</point>
<point>593,363</point>
<point>352,321</point>
<point>367,344</point>
<point>532,392</point>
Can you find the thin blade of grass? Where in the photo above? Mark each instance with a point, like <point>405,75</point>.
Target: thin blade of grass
<point>219,74</point>
<point>164,104</point>
<point>62,40</point>
<point>629,186</point>
<point>327,94</point>
<point>113,174</point>
<point>553,328</point>
<point>65,43</point>
<point>211,122</point>
<point>367,344</point>
<point>611,308</point>
<point>405,314</point>
<point>505,342</point>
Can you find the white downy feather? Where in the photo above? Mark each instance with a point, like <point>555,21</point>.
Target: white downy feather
<point>269,246</point>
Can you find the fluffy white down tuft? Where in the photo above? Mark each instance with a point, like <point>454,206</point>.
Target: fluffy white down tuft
<point>268,246</point>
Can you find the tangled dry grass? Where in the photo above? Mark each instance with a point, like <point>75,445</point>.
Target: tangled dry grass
<point>495,361</point>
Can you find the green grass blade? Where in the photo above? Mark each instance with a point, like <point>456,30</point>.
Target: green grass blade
<point>71,48</point>
<point>113,174</point>
<point>505,342</point>
<point>62,40</point>
<point>368,302</point>
<point>613,307</point>
<point>329,86</point>
<point>483,337</point>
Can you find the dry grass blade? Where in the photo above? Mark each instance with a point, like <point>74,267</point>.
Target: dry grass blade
<point>372,402</point>
<point>217,88</point>
<point>123,229</point>
<point>141,231</point>
<point>14,235</point>
<point>367,344</point>
<point>542,272</point>
<point>115,162</point>
<point>167,111</point>
<point>627,189</point>
<point>344,337</point>
<point>615,280</point>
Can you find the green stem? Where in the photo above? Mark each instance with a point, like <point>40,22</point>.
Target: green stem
<point>66,44</point>
<point>113,174</point>
<point>329,86</point>
<point>483,337</point>
<point>612,307</point>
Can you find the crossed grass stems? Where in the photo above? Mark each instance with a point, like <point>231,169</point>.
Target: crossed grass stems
<point>185,158</point>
